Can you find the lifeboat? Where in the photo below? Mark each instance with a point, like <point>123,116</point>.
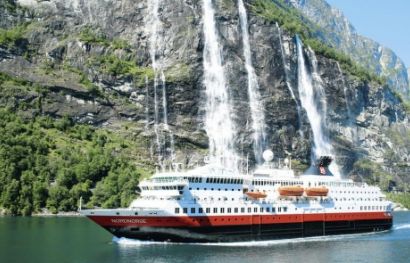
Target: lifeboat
<point>317,191</point>
<point>291,190</point>
<point>256,195</point>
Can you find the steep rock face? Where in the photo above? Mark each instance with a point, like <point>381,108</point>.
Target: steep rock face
<point>341,34</point>
<point>76,45</point>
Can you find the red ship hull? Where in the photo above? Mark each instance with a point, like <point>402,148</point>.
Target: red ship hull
<point>242,227</point>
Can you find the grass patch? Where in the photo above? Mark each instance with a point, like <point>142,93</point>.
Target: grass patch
<point>117,67</point>
<point>90,36</point>
<point>12,37</point>
<point>401,198</point>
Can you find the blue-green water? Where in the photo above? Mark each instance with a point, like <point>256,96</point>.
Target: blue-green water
<point>60,240</point>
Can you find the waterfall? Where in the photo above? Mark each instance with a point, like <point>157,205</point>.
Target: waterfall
<point>312,101</point>
<point>147,119</point>
<point>351,123</point>
<point>218,123</point>
<point>171,150</point>
<point>164,100</point>
<point>286,70</point>
<point>255,100</point>
<point>349,111</point>
<point>155,43</point>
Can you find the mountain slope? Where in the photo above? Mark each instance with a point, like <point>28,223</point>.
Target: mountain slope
<point>90,63</point>
<point>341,34</point>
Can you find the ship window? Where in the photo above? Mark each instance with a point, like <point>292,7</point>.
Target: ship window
<point>242,209</point>
<point>215,210</point>
<point>273,209</point>
<point>255,209</point>
<point>185,210</point>
<point>222,210</point>
<point>261,209</point>
<point>193,210</point>
<point>268,209</point>
<point>279,209</point>
<point>249,209</point>
<point>229,210</point>
<point>285,209</point>
<point>208,210</point>
<point>176,210</point>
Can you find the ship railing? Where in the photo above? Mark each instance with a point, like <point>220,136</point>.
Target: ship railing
<point>164,182</point>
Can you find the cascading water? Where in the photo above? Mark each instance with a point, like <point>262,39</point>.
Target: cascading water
<point>351,129</point>
<point>311,104</point>
<point>147,119</point>
<point>165,113</point>
<point>286,70</point>
<point>349,111</point>
<point>218,123</point>
<point>255,100</point>
<point>155,43</point>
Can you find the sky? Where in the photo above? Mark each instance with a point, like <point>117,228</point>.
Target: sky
<point>385,21</point>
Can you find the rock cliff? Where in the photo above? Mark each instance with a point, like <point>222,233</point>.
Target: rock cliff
<point>340,33</point>
<point>93,62</point>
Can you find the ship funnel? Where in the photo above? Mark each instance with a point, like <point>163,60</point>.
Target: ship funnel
<point>320,166</point>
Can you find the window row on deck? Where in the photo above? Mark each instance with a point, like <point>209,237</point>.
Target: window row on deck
<point>230,210</point>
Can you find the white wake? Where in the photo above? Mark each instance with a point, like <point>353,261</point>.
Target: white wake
<point>133,242</point>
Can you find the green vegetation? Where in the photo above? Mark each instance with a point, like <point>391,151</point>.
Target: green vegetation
<point>88,36</point>
<point>404,102</point>
<point>372,173</point>
<point>178,73</point>
<point>293,21</point>
<point>120,44</point>
<point>10,38</point>
<point>401,198</point>
<point>92,88</point>
<point>298,166</point>
<point>11,6</point>
<point>51,163</point>
<point>400,137</point>
<point>115,66</point>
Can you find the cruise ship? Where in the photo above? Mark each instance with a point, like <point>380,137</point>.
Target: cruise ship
<point>213,204</point>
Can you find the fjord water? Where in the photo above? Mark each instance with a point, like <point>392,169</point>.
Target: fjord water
<point>78,240</point>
